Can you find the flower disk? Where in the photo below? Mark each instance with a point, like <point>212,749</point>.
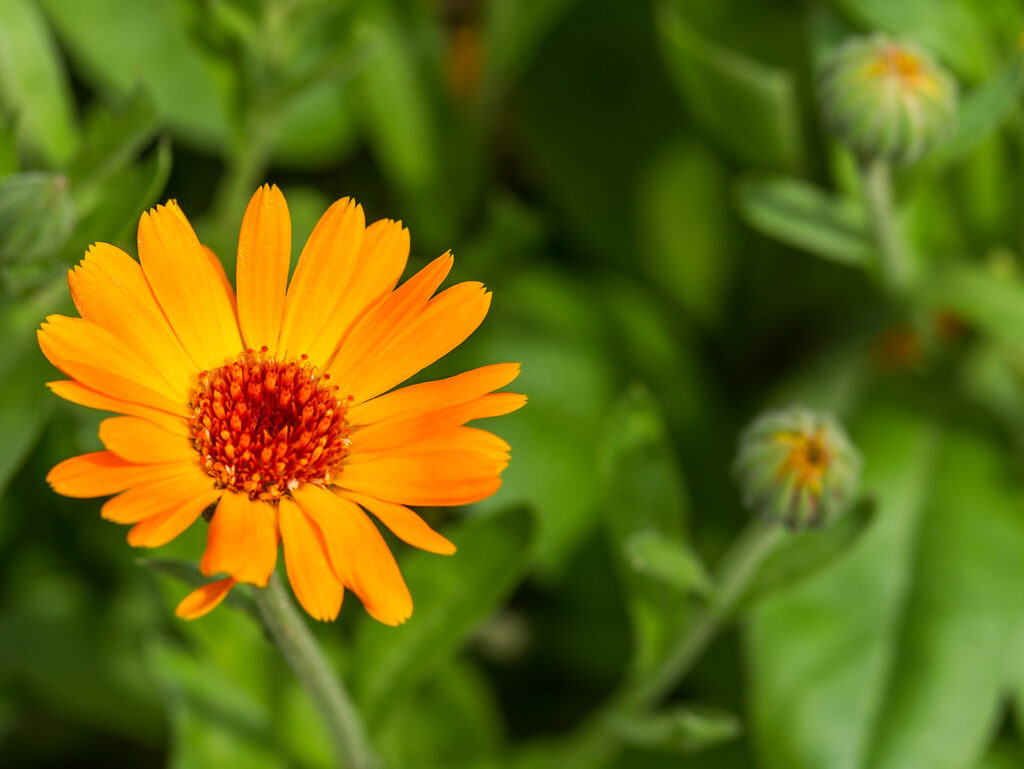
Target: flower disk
<point>263,426</point>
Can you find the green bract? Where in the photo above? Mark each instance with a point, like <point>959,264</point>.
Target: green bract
<point>887,99</point>
<point>798,466</point>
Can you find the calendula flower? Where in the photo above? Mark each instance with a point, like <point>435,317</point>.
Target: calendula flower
<point>271,412</point>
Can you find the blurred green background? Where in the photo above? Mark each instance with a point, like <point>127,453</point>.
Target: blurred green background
<point>674,243</point>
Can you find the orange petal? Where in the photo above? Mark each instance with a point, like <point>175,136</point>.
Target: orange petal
<point>404,524</point>
<point>428,396</point>
<point>109,289</point>
<point>148,499</point>
<point>305,557</point>
<point>158,530</point>
<point>264,255</point>
<point>445,323</point>
<point>103,472</point>
<point>139,440</point>
<point>95,357</point>
<point>242,540</point>
<point>218,267</point>
<point>403,431</point>
<point>386,320</point>
<point>358,554</point>
<point>205,599</point>
<point>187,286</point>
<point>425,478</point>
<point>378,266</point>
<point>73,391</point>
<point>324,270</point>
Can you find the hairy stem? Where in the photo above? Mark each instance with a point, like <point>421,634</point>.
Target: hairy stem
<point>893,252</point>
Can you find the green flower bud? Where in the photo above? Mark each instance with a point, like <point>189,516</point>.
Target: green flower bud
<point>797,466</point>
<point>887,99</point>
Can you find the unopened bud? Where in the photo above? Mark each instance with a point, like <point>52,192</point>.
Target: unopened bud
<point>797,466</point>
<point>887,99</point>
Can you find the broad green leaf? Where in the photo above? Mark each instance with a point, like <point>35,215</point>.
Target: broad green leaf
<point>213,721</point>
<point>1001,756</point>
<point>685,729</point>
<point>895,657</point>
<point>187,572</point>
<point>994,302</point>
<point>514,30</point>
<point>36,216</point>
<point>948,28</point>
<point>33,85</point>
<point>642,491</point>
<point>750,107</point>
<point>803,554</point>
<point>807,218</point>
<point>652,553</point>
<point>452,595</point>
<point>981,113</point>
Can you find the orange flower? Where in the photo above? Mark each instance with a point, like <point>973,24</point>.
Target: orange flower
<point>278,406</point>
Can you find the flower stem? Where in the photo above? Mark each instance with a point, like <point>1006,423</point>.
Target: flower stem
<point>738,567</point>
<point>894,255</point>
<point>288,630</point>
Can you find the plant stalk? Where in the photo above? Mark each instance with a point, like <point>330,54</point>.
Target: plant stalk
<point>893,252</point>
<point>306,659</point>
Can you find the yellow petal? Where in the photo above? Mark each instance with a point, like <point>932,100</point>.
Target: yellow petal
<point>187,286</point>
<point>425,477</point>
<point>73,391</point>
<point>159,529</point>
<point>359,556</point>
<point>309,570</point>
<point>264,255</point>
<point>403,523</point>
<point>242,540</point>
<point>139,440</point>
<point>103,472</point>
<point>324,269</point>
<point>155,497</point>
<point>205,599</point>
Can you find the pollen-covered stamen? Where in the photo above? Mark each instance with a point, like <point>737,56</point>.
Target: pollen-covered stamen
<point>264,426</point>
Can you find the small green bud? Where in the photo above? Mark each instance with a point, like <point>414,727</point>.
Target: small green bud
<point>887,99</point>
<point>797,466</point>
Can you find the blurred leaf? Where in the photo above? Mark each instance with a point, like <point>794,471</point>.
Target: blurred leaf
<point>993,302</point>
<point>895,656</point>
<point>693,264</point>
<point>36,216</point>
<point>679,730</point>
<point>948,28</point>
<point>751,108</point>
<point>119,44</point>
<point>214,723</point>
<point>1001,756</point>
<point>33,85</point>
<point>803,554</point>
<point>671,561</point>
<point>514,30</point>
<point>807,218</point>
<point>643,492</point>
<point>452,597</point>
<point>187,572</point>
<point>981,113</point>
<point>400,126</point>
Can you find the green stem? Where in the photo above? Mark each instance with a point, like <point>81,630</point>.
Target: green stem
<point>289,631</point>
<point>894,255</point>
<point>738,567</point>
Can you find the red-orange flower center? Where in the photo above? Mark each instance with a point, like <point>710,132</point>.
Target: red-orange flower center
<point>264,426</point>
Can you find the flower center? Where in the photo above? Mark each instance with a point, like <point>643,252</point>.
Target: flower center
<point>264,426</point>
<point>808,460</point>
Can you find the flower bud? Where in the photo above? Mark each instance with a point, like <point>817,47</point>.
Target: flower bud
<point>887,99</point>
<point>797,466</point>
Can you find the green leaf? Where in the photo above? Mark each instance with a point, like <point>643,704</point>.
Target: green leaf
<point>671,561</point>
<point>751,108</point>
<point>643,492</point>
<point>895,657</point>
<point>452,597</point>
<point>805,553</point>
<point>981,113</point>
<point>188,573</point>
<point>681,730</point>
<point>807,218</point>
<point>36,216</point>
<point>985,298</point>
<point>33,85</point>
